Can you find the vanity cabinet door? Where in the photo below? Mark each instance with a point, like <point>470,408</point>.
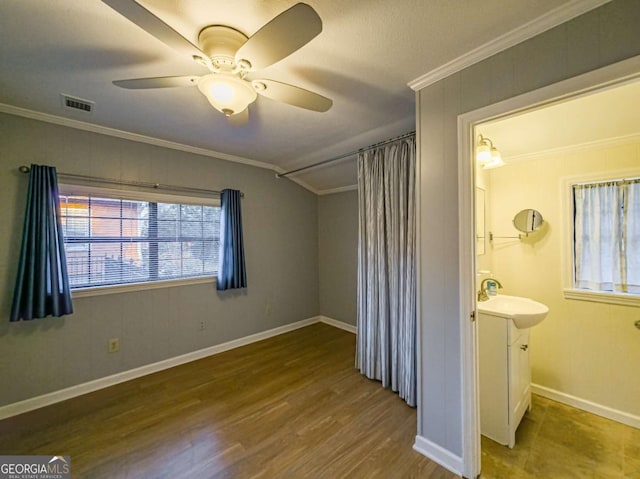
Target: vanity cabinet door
<point>520,377</point>
<point>505,377</point>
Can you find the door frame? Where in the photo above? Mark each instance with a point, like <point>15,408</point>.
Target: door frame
<point>585,84</point>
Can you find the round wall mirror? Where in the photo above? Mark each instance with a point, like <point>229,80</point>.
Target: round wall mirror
<point>528,221</point>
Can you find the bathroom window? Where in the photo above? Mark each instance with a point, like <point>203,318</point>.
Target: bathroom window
<point>115,238</point>
<point>606,236</point>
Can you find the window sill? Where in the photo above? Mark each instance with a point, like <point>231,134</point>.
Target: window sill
<point>128,288</point>
<point>621,299</point>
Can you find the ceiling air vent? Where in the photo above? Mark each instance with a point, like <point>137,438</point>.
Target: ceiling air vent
<point>73,103</point>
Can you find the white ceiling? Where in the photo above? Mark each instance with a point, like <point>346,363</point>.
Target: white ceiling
<point>605,116</point>
<point>367,53</point>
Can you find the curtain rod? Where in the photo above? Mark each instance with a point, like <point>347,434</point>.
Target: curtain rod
<point>346,155</point>
<point>620,181</point>
<point>140,184</point>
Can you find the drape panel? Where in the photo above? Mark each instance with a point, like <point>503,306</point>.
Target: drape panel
<point>42,285</point>
<point>386,341</point>
<point>232,272</point>
<point>607,236</point>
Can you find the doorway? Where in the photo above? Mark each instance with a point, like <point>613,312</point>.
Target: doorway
<point>469,125</point>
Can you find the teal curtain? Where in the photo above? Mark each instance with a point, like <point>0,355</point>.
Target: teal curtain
<point>232,273</point>
<point>42,284</point>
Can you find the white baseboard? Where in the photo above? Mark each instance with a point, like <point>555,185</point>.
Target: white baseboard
<point>439,454</point>
<point>337,324</point>
<point>595,408</point>
<point>63,394</point>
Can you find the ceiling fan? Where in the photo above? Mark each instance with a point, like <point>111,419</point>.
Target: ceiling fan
<point>230,56</point>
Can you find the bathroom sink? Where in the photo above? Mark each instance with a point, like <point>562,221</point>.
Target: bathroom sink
<point>524,312</point>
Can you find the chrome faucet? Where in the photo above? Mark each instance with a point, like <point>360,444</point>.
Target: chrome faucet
<point>482,294</point>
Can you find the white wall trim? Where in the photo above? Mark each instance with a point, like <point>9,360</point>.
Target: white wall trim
<point>587,145</point>
<point>621,299</point>
<point>149,140</point>
<point>589,406</point>
<point>470,392</point>
<point>84,388</point>
<point>337,324</point>
<point>340,189</point>
<point>438,454</point>
<point>545,22</point>
<point>131,287</point>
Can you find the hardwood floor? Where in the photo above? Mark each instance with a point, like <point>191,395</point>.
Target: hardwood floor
<point>561,442</point>
<point>292,406</point>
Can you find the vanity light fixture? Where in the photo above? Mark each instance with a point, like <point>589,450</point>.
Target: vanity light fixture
<point>487,154</point>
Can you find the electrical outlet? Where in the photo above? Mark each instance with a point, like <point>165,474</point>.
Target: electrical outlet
<point>268,309</point>
<point>113,345</point>
<point>202,325</point>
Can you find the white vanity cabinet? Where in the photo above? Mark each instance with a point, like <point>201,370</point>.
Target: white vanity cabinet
<point>505,377</point>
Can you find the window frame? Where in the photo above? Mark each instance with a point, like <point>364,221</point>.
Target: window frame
<point>569,290</point>
<point>67,189</point>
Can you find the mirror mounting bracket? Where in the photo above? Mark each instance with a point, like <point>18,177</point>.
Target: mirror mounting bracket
<point>520,236</point>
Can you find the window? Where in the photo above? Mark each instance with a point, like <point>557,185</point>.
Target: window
<point>606,236</point>
<point>114,239</point>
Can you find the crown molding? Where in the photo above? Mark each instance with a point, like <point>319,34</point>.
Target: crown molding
<point>126,135</point>
<point>340,189</point>
<point>587,145</point>
<point>545,22</point>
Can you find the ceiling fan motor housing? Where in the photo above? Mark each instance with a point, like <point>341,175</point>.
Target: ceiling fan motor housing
<point>221,43</point>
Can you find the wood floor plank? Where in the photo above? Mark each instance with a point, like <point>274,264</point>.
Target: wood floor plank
<point>292,406</point>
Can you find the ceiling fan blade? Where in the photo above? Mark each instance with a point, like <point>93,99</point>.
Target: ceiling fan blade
<point>239,119</point>
<point>282,36</point>
<point>157,82</point>
<point>146,20</point>
<point>292,95</point>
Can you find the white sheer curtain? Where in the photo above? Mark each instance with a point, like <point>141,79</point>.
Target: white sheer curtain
<point>386,342</point>
<point>632,244</point>
<point>607,236</point>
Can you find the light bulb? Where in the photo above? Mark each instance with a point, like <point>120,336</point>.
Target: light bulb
<point>221,92</point>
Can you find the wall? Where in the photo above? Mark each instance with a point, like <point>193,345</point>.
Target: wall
<point>598,38</point>
<point>585,349</point>
<point>338,255</point>
<point>281,245</point>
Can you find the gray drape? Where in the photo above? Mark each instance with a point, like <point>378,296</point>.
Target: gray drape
<point>386,342</point>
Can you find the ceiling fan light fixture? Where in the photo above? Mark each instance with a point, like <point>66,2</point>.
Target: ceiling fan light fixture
<point>227,93</point>
<point>230,55</point>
